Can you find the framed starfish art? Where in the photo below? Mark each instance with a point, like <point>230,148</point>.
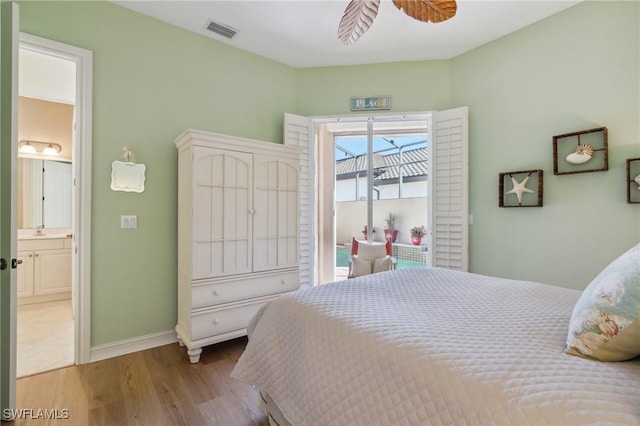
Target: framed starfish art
<point>520,189</point>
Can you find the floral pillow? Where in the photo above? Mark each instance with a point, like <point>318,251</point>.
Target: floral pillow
<point>605,323</point>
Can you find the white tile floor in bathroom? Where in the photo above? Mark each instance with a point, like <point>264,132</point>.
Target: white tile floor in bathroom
<point>45,337</point>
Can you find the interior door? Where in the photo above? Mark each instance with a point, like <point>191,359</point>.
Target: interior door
<point>448,241</point>
<point>9,27</point>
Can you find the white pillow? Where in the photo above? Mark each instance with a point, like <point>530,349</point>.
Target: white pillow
<point>371,251</point>
<point>360,266</point>
<point>382,264</point>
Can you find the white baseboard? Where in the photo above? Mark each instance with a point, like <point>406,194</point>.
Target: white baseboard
<point>136,344</point>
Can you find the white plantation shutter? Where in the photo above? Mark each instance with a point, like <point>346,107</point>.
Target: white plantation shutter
<point>448,242</point>
<point>296,133</point>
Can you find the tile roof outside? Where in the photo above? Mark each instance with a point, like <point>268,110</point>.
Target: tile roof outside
<point>414,164</point>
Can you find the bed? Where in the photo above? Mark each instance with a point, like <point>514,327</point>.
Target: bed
<point>429,346</point>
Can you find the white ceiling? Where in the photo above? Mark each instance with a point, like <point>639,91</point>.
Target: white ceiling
<point>302,33</point>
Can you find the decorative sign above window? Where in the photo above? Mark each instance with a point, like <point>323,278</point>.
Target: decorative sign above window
<point>371,103</point>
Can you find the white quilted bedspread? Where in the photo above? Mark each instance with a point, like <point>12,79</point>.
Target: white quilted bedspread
<point>431,346</point>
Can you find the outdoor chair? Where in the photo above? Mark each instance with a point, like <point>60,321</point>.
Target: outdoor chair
<point>370,258</point>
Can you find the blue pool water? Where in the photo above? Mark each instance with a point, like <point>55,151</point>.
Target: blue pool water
<point>342,260</point>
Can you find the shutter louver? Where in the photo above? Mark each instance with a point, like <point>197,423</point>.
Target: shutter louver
<point>296,133</point>
<point>448,190</point>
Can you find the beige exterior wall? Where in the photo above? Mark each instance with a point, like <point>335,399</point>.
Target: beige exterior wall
<point>352,215</point>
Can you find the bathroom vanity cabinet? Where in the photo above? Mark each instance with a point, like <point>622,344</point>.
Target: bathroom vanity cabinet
<point>44,269</point>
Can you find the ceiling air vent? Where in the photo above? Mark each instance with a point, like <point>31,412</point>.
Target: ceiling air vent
<point>221,29</point>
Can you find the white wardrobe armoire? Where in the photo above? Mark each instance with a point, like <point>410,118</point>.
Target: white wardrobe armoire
<point>238,215</point>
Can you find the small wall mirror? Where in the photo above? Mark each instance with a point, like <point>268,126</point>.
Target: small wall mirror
<point>44,193</point>
<point>128,177</point>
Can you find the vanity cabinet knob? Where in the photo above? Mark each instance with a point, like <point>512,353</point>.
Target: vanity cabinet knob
<point>216,321</point>
<point>214,292</point>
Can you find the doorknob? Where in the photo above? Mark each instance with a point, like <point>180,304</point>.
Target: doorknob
<point>3,264</point>
<point>15,263</point>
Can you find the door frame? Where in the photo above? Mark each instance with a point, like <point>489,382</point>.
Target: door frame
<point>323,212</point>
<point>81,177</point>
<point>325,246</point>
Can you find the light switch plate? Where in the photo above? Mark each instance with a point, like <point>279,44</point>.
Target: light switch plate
<point>128,221</point>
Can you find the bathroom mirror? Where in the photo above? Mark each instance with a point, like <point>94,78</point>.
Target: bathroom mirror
<point>44,193</point>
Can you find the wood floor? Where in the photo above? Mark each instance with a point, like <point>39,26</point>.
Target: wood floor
<point>154,387</point>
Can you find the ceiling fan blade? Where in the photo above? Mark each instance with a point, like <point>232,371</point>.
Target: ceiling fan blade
<point>357,19</point>
<point>428,10</point>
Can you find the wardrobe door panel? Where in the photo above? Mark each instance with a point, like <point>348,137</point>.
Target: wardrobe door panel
<point>276,213</point>
<point>221,212</point>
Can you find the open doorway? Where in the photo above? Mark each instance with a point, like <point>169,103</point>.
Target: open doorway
<point>399,195</point>
<point>53,211</point>
<point>353,203</point>
<point>448,216</point>
<point>46,109</point>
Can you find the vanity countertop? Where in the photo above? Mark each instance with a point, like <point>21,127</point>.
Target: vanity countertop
<point>45,236</point>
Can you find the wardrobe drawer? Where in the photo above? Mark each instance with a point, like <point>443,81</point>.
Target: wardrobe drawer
<point>223,320</point>
<point>231,290</point>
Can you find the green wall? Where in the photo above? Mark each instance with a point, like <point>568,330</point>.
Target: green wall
<point>573,71</point>
<point>576,70</point>
<point>151,82</point>
<point>413,86</point>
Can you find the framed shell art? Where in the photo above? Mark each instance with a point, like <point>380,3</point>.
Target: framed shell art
<point>522,188</point>
<point>633,180</point>
<point>581,152</point>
